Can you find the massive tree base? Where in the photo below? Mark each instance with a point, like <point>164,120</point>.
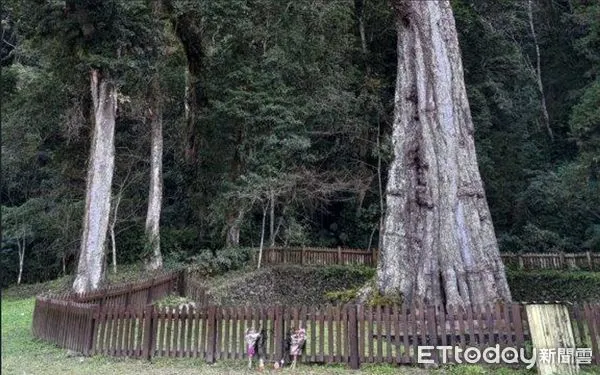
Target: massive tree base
<point>438,242</point>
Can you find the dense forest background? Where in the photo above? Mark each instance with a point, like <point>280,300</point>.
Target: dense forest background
<point>282,110</point>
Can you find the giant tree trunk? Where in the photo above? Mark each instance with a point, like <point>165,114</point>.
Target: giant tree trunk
<point>156,184</point>
<point>438,243</point>
<point>99,180</point>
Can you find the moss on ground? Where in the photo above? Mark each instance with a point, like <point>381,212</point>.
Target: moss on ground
<point>285,285</point>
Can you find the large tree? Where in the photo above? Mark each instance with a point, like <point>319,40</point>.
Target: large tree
<point>438,245</point>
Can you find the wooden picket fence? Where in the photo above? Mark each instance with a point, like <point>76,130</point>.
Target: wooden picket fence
<point>65,323</point>
<point>319,256</point>
<point>340,256</point>
<point>131,294</point>
<point>349,334</point>
<point>553,261</point>
<point>69,319</point>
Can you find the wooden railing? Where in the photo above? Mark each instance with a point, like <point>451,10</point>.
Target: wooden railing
<point>350,334</point>
<point>69,320</point>
<point>312,256</point>
<point>553,261</point>
<point>332,256</point>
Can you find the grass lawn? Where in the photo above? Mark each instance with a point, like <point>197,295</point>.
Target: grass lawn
<point>24,355</point>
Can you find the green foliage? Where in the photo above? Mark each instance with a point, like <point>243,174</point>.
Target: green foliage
<point>343,296</point>
<point>291,109</point>
<point>538,286</point>
<point>585,120</point>
<point>209,263</point>
<point>377,299</point>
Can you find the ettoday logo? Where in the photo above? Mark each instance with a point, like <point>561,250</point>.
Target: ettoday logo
<point>509,355</point>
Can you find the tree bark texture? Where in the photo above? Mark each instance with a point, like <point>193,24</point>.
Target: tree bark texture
<point>99,180</point>
<point>156,184</point>
<point>233,227</point>
<point>438,244</point>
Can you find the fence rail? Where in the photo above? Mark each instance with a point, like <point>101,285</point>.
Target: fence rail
<point>332,256</point>
<point>350,334</point>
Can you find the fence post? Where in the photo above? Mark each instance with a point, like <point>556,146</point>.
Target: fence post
<point>521,265</point>
<point>353,338</point>
<point>181,283</point>
<point>211,334</point>
<point>374,256</point>
<point>93,315</point>
<point>588,255</point>
<point>279,332</point>
<point>339,255</point>
<point>148,348</point>
<point>563,264</point>
<point>302,255</point>
<point>104,297</point>
<point>149,296</point>
<point>128,294</point>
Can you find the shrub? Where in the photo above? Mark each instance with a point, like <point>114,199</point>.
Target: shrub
<point>553,285</point>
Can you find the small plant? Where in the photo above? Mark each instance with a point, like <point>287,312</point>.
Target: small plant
<point>342,296</point>
<point>378,299</point>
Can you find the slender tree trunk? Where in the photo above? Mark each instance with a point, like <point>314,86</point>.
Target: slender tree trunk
<point>380,188</point>
<point>272,219</point>
<point>538,71</point>
<point>262,235</point>
<point>359,7</point>
<point>156,184</point>
<point>21,245</point>
<point>191,109</point>
<point>438,243</point>
<point>113,223</point>
<point>235,214</point>
<point>99,180</point>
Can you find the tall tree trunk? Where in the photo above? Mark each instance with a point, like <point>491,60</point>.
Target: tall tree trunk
<point>538,73</point>
<point>359,9</point>
<point>99,180</point>
<point>112,224</point>
<point>21,247</point>
<point>262,235</point>
<point>234,222</point>
<point>191,109</point>
<point>156,184</point>
<point>438,243</point>
<point>235,213</point>
<point>272,218</point>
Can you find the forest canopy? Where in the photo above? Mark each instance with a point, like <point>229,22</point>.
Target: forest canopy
<point>283,110</point>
